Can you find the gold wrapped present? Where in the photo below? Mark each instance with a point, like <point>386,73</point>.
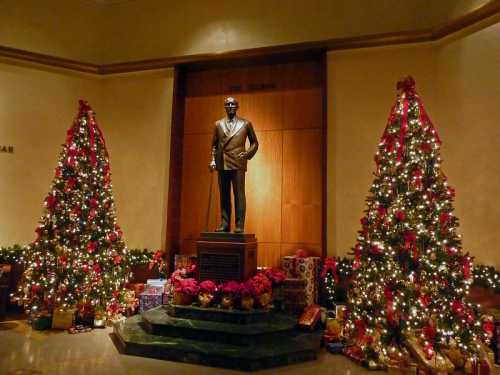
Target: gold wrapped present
<point>438,364</point>
<point>63,319</point>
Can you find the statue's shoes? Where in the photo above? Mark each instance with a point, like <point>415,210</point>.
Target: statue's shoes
<point>222,229</point>
<point>238,230</point>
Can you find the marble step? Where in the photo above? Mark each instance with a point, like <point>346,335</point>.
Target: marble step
<point>219,315</point>
<point>298,346</point>
<point>158,322</point>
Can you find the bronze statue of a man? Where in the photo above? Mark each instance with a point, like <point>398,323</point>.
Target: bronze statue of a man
<point>229,157</point>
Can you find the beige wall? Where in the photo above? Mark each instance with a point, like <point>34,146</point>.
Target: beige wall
<point>468,87</point>
<point>163,29</point>
<point>138,111</point>
<point>63,28</point>
<point>459,84</point>
<point>458,80</point>
<point>36,109</point>
<point>116,31</point>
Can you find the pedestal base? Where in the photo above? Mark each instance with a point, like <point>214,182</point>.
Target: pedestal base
<point>244,346</point>
<point>226,256</point>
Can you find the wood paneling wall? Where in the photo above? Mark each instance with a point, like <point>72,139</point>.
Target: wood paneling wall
<point>284,184</point>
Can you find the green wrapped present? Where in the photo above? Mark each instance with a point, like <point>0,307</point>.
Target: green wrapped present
<point>42,322</point>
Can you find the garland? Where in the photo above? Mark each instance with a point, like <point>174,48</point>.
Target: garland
<point>337,272</point>
<point>484,276</point>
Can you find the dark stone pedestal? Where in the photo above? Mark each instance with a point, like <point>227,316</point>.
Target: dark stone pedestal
<point>226,256</point>
<point>245,344</point>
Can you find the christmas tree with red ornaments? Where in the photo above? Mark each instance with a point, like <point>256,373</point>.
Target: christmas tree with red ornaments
<point>407,300</point>
<point>78,259</point>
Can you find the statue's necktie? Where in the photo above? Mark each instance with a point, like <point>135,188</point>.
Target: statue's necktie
<point>230,126</point>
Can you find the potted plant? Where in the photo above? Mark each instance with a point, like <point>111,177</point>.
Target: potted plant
<point>207,293</point>
<point>247,294</point>
<point>263,290</point>
<point>185,291</point>
<point>230,290</point>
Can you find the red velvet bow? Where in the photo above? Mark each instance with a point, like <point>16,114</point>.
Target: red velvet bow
<point>330,265</point>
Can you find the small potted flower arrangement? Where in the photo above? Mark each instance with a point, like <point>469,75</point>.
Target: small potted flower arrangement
<point>275,275</point>
<point>229,290</point>
<point>247,295</point>
<point>185,291</point>
<point>263,290</point>
<point>207,293</point>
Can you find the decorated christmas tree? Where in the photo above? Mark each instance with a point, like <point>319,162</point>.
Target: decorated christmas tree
<point>411,275</point>
<point>78,259</point>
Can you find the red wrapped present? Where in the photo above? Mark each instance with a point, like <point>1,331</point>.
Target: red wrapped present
<point>310,317</point>
<point>304,267</point>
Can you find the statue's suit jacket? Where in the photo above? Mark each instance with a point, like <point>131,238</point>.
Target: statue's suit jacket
<point>227,145</point>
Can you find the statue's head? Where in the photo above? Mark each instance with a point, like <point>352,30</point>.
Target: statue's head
<point>231,106</point>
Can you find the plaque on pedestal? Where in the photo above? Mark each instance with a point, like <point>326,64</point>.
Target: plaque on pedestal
<point>226,256</point>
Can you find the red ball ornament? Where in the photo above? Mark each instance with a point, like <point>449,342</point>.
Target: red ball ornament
<point>93,203</point>
<point>381,211</point>
<point>445,218</point>
<point>85,268</point>
<point>450,192</point>
<point>457,307</point>
<point>426,147</point>
<point>376,250</point>
<point>117,259</point>
<point>425,299</point>
<point>400,215</point>
<point>429,351</point>
<point>71,183</point>
<point>35,288</point>
<point>488,327</point>
<point>112,237</point>
<point>92,246</point>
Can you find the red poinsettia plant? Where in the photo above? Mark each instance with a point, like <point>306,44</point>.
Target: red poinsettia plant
<point>247,289</point>
<point>183,273</point>
<point>261,284</point>
<point>230,287</point>
<point>187,286</point>
<point>276,275</point>
<point>208,286</point>
<point>158,260</point>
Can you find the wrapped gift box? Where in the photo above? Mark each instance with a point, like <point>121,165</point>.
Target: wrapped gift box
<point>306,268</point>
<point>42,322</point>
<point>138,288</point>
<point>184,261</point>
<point>294,295</point>
<point>157,284</point>
<point>310,317</point>
<point>149,300</point>
<point>63,319</point>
